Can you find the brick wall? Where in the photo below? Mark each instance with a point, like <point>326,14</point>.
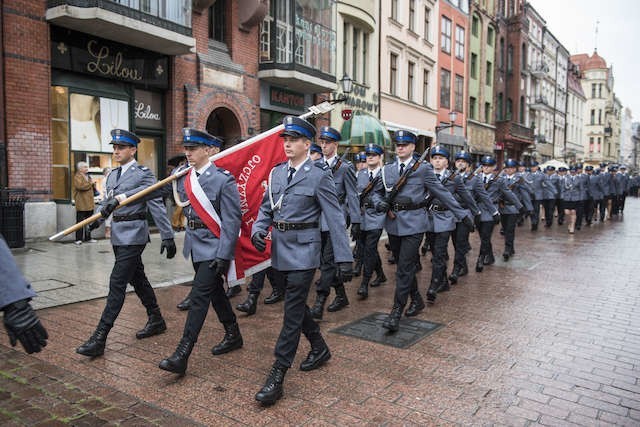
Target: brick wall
<point>27,77</point>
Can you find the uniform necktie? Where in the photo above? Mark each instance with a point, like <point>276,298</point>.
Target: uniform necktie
<point>485,179</point>
<point>438,176</point>
<point>118,174</point>
<point>370,176</point>
<point>401,168</point>
<point>290,177</point>
<point>197,174</point>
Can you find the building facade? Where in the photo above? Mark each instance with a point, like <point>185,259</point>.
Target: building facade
<point>573,150</point>
<point>556,81</point>
<point>626,140</point>
<point>481,133</point>
<point>453,82</point>
<point>409,40</point>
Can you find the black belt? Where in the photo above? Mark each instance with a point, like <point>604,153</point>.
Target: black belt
<point>132,217</point>
<point>194,224</point>
<point>286,226</point>
<point>438,208</point>
<point>406,206</point>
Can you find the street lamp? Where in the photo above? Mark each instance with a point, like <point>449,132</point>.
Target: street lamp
<point>346,83</point>
<point>452,118</point>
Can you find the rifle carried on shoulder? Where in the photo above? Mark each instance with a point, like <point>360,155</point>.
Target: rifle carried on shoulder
<point>476,172</point>
<point>429,200</point>
<point>369,188</point>
<point>494,179</point>
<point>403,180</point>
<point>335,167</point>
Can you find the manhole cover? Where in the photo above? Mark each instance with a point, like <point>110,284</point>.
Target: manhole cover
<point>370,328</point>
<point>49,285</point>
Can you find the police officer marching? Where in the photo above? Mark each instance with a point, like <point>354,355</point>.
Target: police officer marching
<point>344,177</point>
<point>536,179</point>
<point>549,191</point>
<point>508,212</point>
<point>213,225</point>
<point>129,237</point>
<point>372,221</point>
<point>407,221</point>
<point>298,192</point>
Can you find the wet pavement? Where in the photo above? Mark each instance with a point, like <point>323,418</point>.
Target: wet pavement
<point>550,337</point>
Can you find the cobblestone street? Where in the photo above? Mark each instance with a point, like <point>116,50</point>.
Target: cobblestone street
<point>550,337</point>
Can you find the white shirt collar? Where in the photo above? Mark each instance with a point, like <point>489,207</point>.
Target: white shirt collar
<point>374,172</point>
<point>296,167</point>
<point>204,168</point>
<point>125,167</point>
<point>331,160</point>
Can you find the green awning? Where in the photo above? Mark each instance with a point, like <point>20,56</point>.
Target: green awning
<point>364,129</point>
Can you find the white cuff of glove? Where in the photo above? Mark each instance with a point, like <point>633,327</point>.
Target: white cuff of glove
<point>121,197</point>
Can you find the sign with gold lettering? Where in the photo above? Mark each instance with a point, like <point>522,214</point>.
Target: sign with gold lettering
<point>84,53</point>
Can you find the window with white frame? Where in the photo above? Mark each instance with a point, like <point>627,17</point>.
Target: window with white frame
<point>445,36</point>
<point>460,42</point>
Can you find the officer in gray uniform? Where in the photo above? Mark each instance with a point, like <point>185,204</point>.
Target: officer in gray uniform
<point>549,190</point>
<point>583,189</point>
<point>474,184</point>
<point>509,211</point>
<point>129,237</point>
<point>372,220</point>
<point>536,178</point>
<point>360,160</point>
<point>443,219</point>
<point>299,191</point>
<point>594,194</point>
<point>344,177</point>
<point>562,173</point>
<point>570,188</point>
<point>20,320</point>
<point>210,246</point>
<point>496,186</point>
<point>407,221</point>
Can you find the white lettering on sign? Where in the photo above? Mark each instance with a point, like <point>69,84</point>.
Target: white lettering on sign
<point>143,111</point>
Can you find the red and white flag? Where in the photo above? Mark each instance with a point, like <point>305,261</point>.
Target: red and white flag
<point>250,163</point>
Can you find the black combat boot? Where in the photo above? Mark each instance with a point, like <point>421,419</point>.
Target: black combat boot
<point>249,305</point>
<point>232,339</point>
<point>432,292</point>
<point>392,322</point>
<point>444,284</point>
<point>363,290</point>
<point>155,325</point>
<point>489,259</point>
<point>340,301</point>
<point>318,355</point>
<point>318,307</point>
<point>463,270</point>
<point>417,304</point>
<point>177,362</point>
<point>94,346</point>
<point>357,269</point>
<point>506,255</point>
<point>277,295</point>
<point>380,277</point>
<point>453,277</point>
<point>480,264</point>
<point>185,304</point>
<point>272,390</point>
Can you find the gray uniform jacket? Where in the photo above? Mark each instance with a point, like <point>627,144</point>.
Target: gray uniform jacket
<point>136,232</point>
<point>476,186</point>
<point>498,192</point>
<point>570,188</point>
<point>13,286</point>
<point>414,192</point>
<point>583,181</point>
<point>537,178</point>
<point>607,184</point>
<point>345,180</point>
<point>519,189</point>
<point>310,192</point>
<point>620,183</point>
<point>371,219</point>
<point>595,186</point>
<point>221,189</point>
<point>549,187</point>
<point>443,220</point>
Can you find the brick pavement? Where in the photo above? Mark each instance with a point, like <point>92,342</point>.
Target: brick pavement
<point>549,338</point>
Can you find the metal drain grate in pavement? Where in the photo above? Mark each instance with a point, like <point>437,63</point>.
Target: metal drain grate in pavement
<point>370,328</point>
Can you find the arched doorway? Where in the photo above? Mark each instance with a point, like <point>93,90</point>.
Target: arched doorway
<point>224,124</point>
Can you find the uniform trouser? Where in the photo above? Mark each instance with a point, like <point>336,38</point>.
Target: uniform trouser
<point>358,250</point>
<point>461,245</point>
<point>535,215</point>
<point>549,204</point>
<point>623,199</point>
<point>602,207</point>
<point>580,205</point>
<point>297,317</point>
<point>128,268</point>
<point>405,251</point>
<point>328,269</point>
<point>371,258</point>
<point>439,246</point>
<point>509,227</point>
<point>486,230</point>
<point>257,280</point>
<point>589,206</point>
<point>560,210</point>
<point>207,288</point>
<point>83,233</point>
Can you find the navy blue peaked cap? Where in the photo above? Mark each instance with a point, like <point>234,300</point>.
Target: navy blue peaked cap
<point>315,148</point>
<point>464,155</point>
<point>192,137</point>
<point>404,137</point>
<point>487,161</point>
<point>439,150</point>
<point>297,127</point>
<point>124,137</point>
<point>327,132</point>
<point>511,163</point>
<point>373,149</point>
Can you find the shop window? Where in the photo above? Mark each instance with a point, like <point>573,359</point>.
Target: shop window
<point>60,143</point>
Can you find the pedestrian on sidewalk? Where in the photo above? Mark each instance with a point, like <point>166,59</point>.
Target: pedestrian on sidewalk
<point>129,237</point>
<point>299,191</point>
<point>213,225</point>
<point>83,193</point>
<point>21,322</point>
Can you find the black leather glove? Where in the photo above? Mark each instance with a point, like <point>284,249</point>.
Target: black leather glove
<point>345,272</point>
<point>258,241</point>
<point>476,220</point>
<point>109,207</point>
<point>355,231</point>
<point>496,218</point>
<point>23,325</point>
<point>523,210</point>
<point>383,206</point>
<point>220,266</point>
<point>170,246</point>
<point>469,223</point>
<point>95,224</point>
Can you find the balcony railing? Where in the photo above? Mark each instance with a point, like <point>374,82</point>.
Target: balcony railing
<point>539,69</point>
<point>539,102</point>
<point>540,139</point>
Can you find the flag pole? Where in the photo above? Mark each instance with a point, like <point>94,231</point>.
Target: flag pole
<point>314,110</point>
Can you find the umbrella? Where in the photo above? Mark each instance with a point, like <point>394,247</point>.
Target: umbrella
<point>555,163</point>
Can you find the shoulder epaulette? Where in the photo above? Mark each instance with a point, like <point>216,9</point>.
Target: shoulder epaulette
<point>143,168</point>
<point>322,166</point>
<point>224,171</point>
